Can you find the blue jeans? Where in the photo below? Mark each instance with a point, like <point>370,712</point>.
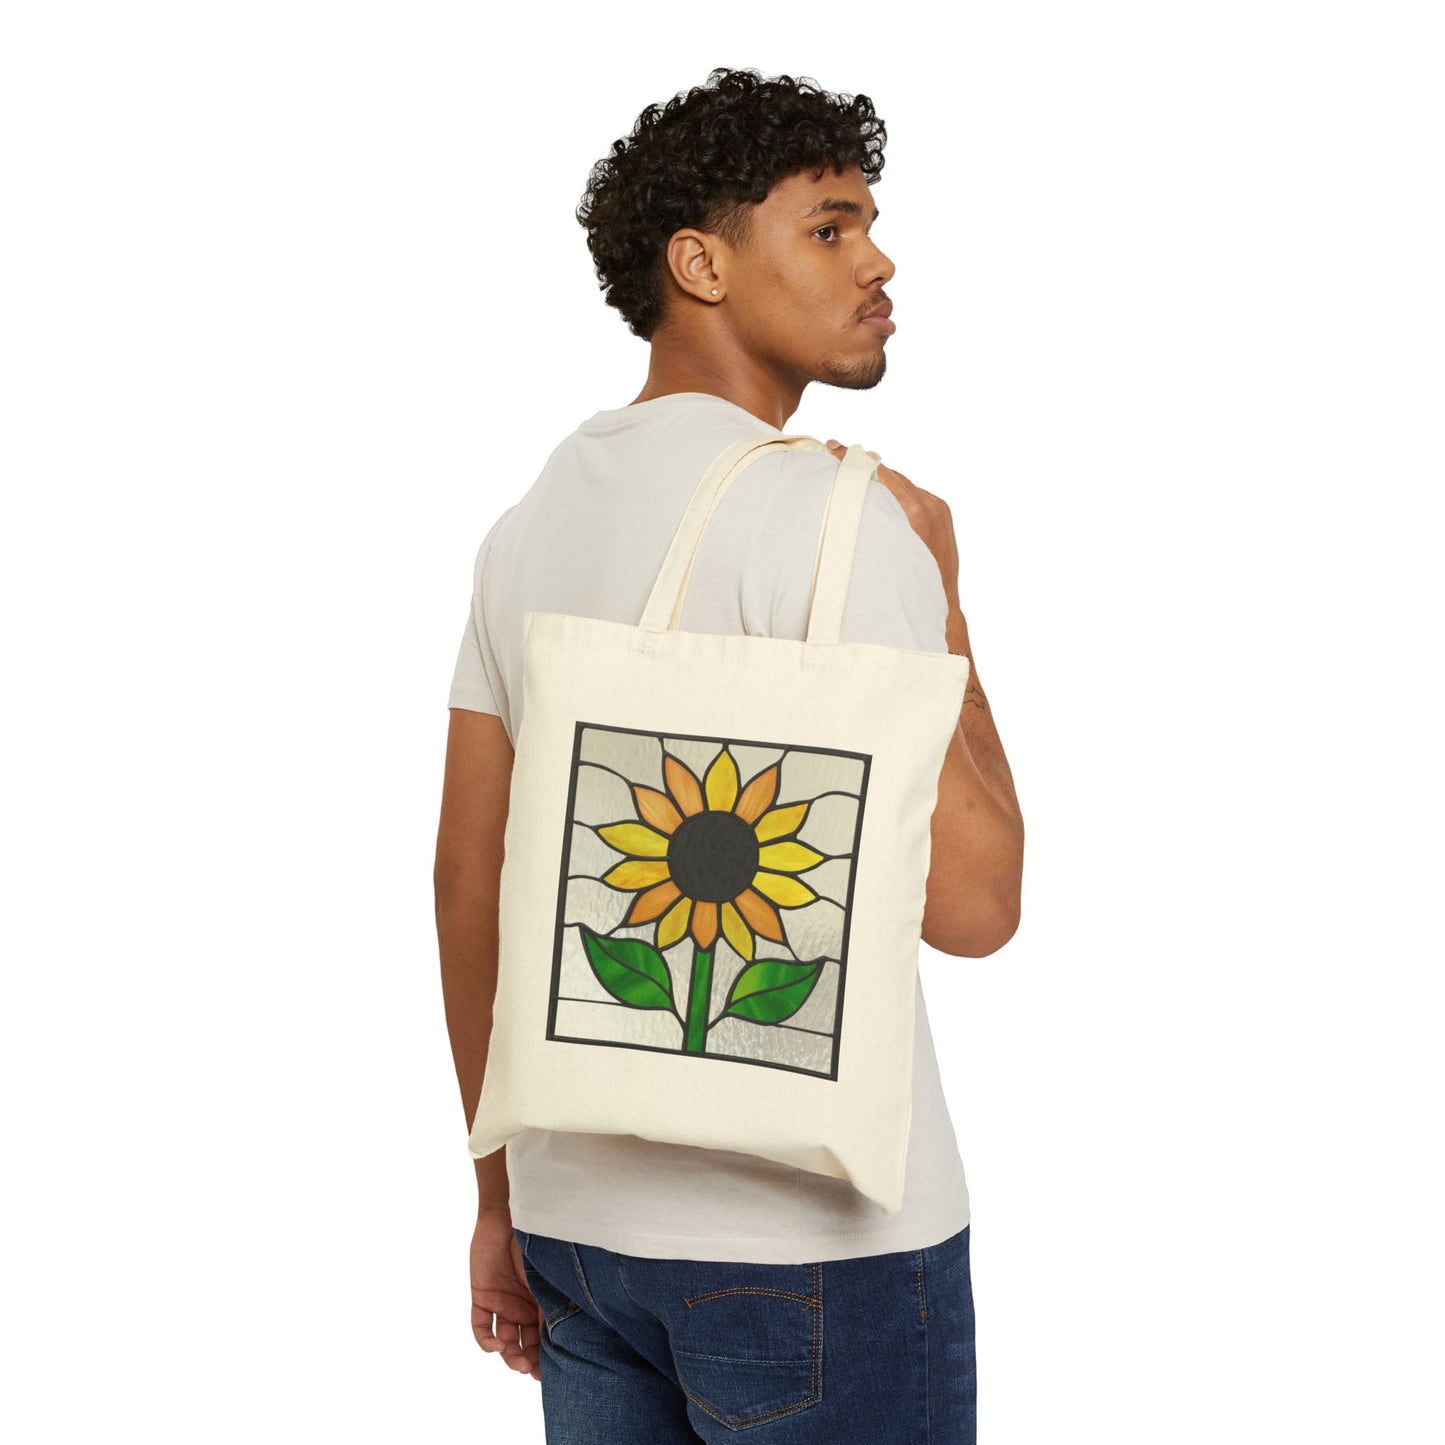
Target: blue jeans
<point>877,1350</point>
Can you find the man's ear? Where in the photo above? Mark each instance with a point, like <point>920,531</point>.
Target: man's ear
<point>696,262</point>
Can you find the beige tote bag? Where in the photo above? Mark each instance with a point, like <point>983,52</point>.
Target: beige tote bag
<point>714,875</point>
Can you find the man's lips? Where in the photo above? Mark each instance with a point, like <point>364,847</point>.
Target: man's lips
<point>880,318</point>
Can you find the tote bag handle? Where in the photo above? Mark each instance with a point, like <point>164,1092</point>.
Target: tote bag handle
<point>837,541</point>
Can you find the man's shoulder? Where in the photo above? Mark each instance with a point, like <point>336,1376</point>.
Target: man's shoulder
<point>797,484</point>
<point>792,484</point>
<point>895,590</point>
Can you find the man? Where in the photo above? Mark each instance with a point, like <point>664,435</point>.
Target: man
<point>662,1284</point>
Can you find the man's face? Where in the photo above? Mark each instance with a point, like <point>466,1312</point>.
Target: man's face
<point>798,290</point>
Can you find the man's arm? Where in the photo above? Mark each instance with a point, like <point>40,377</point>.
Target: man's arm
<point>467,884</point>
<point>975,872</point>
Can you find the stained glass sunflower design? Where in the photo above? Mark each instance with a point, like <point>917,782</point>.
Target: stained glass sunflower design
<point>705,896</point>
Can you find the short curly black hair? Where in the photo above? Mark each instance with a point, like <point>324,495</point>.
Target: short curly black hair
<point>703,160</point>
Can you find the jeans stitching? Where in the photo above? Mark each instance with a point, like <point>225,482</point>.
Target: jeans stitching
<point>582,1279</point>
<point>815,1304</point>
<point>802,1299</point>
<point>564,1312</point>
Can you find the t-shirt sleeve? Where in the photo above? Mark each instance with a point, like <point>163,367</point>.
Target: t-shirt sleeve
<point>477,678</point>
<point>895,593</point>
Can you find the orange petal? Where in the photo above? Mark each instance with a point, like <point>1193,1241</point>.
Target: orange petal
<point>760,915</point>
<point>758,795</point>
<point>737,932</point>
<point>635,838</point>
<point>704,924</point>
<point>722,783</point>
<point>637,873</point>
<point>682,783</point>
<point>674,926</point>
<point>781,821</point>
<point>646,906</point>
<point>656,808</point>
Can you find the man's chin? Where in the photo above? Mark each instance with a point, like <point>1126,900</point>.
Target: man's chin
<point>854,376</point>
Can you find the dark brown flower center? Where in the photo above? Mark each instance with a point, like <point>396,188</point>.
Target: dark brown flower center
<point>713,856</point>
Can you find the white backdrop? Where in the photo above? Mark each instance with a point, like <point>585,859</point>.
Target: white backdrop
<point>294,303</point>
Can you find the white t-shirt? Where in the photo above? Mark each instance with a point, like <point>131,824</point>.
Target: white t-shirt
<point>588,538</point>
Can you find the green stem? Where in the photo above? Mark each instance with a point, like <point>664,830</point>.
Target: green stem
<point>699,999</point>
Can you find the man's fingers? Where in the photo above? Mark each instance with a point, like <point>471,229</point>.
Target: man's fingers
<point>514,1355</point>
<point>837,446</point>
<point>518,1345</point>
<point>509,1339</point>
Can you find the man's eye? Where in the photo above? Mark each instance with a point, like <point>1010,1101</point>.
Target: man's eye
<point>831,227</point>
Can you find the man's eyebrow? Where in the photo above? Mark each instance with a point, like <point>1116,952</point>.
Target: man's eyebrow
<point>848,208</point>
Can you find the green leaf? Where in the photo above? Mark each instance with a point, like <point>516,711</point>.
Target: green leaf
<point>772,989</point>
<point>630,969</point>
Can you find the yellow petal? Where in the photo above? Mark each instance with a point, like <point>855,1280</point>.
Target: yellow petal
<point>737,932</point>
<point>792,857</point>
<point>783,889</point>
<point>758,795</point>
<point>635,838</point>
<point>722,783</point>
<point>781,821</point>
<point>674,925</point>
<point>635,873</point>
<point>683,785</point>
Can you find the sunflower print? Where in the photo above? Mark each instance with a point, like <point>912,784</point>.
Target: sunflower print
<point>712,856</point>
<point>711,863</point>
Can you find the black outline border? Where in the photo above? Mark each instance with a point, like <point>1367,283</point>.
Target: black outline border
<point>559,928</point>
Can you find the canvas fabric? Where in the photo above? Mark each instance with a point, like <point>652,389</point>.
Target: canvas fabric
<point>715,866</point>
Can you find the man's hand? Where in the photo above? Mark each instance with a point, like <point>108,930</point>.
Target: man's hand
<point>506,1319</point>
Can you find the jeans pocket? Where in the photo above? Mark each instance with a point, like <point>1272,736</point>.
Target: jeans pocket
<point>557,1306</point>
<point>751,1349</point>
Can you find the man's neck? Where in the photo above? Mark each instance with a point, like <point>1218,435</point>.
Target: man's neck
<point>740,380</point>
